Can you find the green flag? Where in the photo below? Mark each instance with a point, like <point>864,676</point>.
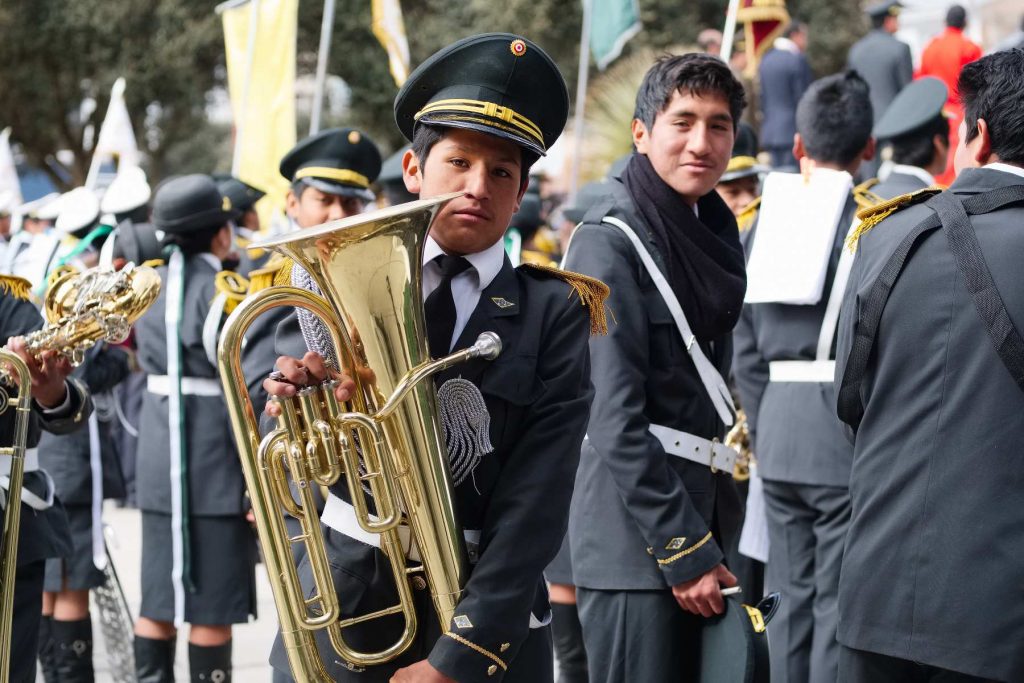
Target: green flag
<point>612,24</point>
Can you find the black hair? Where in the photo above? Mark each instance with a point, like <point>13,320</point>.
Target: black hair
<point>298,186</point>
<point>917,148</point>
<point>834,118</point>
<point>992,88</point>
<point>956,17</point>
<point>194,242</point>
<point>697,73</point>
<point>793,27</point>
<point>425,136</point>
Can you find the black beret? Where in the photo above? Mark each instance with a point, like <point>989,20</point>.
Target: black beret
<point>495,83</point>
<point>339,161</point>
<point>190,203</point>
<point>917,104</point>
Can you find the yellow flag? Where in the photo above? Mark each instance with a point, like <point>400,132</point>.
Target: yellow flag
<point>389,28</point>
<point>262,95</point>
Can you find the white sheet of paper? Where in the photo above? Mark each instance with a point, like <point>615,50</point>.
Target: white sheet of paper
<point>796,228</point>
<point>754,536</point>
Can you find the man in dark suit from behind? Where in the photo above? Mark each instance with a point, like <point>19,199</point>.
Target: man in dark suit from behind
<point>931,578</point>
<point>784,75</point>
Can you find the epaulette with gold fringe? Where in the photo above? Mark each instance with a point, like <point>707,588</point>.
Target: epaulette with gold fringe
<point>591,291</point>
<point>18,287</point>
<point>233,286</point>
<point>745,218</point>
<point>254,252</point>
<point>153,263</point>
<point>278,271</point>
<point>875,214</point>
<point>863,195</point>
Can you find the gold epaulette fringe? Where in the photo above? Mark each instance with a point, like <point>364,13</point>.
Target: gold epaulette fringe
<point>233,286</point>
<point>592,293</point>
<point>873,215</point>
<point>18,287</point>
<point>153,263</point>
<point>745,219</point>
<point>278,271</point>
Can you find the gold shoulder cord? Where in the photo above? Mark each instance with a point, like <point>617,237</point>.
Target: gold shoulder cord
<point>745,219</point>
<point>591,291</point>
<point>233,286</point>
<point>18,287</point>
<point>277,272</point>
<point>873,215</point>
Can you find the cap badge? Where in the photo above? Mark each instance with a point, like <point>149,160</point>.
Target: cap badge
<point>518,47</point>
<point>225,204</point>
<point>353,137</point>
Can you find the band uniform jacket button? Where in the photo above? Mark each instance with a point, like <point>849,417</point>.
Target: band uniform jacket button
<point>492,669</point>
<point>505,646</point>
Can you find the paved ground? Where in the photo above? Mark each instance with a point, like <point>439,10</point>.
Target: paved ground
<point>252,641</point>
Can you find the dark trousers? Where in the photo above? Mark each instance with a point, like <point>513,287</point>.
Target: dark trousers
<point>28,610</point>
<point>638,636</point>
<point>806,529</point>
<point>858,666</point>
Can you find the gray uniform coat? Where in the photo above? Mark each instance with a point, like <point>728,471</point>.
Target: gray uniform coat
<point>932,570</point>
<point>216,486</point>
<point>897,184</point>
<point>796,435</point>
<point>885,63</point>
<point>631,498</point>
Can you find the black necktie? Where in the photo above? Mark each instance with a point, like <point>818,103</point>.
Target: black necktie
<point>440,305</point>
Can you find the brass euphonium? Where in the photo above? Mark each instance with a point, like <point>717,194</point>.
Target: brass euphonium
<point>81,309</point>
<point>386,441</point>
<point>738,439</point>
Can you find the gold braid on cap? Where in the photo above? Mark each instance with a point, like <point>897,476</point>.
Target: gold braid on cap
<point>591,292</point>
<point>342,175</point>
<point>745,218</point>
<point>473,110</point>
<point>872,216</point>
<point>740,164</point>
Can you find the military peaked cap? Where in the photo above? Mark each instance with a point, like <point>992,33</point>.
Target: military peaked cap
<point>917,104</point>
<point>339,161</point>
<point>495,83</point>
<point>881,9</point>
<point>744,156</point>
<point>243,196</point>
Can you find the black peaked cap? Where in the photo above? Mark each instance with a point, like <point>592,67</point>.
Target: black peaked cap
<point>918,103</point>
<point>339,161</point>
<point>243,196</point>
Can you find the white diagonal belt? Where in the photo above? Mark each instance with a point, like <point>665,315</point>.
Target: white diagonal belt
<point>801,370</point>
<point>190,386</point>
<point>713,454</point>
<point>31,462</point>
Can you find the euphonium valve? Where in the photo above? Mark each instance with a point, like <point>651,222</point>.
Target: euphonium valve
<point>738,439</point>
<point>385,442</point>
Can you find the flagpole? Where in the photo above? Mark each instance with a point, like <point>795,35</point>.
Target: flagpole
<point>326,27</point>
<point>729,34</point>
<point>250,58</point>
<point>581,98</point>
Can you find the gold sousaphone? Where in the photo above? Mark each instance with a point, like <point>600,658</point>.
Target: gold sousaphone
<point>386,441</point>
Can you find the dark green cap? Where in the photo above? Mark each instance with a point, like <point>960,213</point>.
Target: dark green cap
<point>917,104</point>
<point>339,161</point>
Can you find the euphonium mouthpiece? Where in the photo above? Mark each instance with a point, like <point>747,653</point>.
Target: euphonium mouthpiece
<point>487,346</point>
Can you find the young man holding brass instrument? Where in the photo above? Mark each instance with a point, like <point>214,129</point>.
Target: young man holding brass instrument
<point>59,405</point>
<point>478,113</point>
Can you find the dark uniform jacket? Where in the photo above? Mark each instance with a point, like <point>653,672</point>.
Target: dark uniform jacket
<point>932,570</point>
<point>632,499</point>
<point>793,424</point>
<point>784,77</point>
<point>43,533</point>
<point>897,183</point>
<point>215,482</point>
<point>537,393</point>
<point>66,457</point>
<point>885,63</point>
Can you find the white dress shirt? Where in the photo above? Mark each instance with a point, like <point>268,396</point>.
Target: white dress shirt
<point>916,171</point>
<point>1006,168</point>
<point>467,285</point>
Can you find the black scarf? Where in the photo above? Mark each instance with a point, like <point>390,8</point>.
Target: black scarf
<point>703,257</point>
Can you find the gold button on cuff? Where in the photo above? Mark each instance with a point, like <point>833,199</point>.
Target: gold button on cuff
<point>504,646</point>
<point>492,669</point>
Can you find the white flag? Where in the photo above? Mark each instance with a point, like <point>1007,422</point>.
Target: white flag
<point>9,184</point>
<point>389,28</point>
<point>117,139</point>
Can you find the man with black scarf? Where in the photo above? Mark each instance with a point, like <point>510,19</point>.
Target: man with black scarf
<point>654,502</point>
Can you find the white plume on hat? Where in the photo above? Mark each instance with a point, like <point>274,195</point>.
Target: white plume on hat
<point>79,209</point>
<point>6,202</point>
<point>127,192</point>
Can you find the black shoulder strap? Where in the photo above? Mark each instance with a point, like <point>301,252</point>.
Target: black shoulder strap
<point>952,215</point>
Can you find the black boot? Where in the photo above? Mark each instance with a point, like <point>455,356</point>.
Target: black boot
<point>154,660</point>
<point>72,650</point>
<point>567,635</point>
<point>210,664</point>
<point>47,662</point>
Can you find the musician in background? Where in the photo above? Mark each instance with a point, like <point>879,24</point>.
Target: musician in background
<point>198,551</point>
<point>479,113</point>
<point>59,405</point>
<point>918,132</point>
<point>784,372</point>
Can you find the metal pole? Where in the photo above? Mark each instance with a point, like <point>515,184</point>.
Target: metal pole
<point>250,57</point>
<point>326,27</point>
<point>729,34</point>
<point>581,99</point>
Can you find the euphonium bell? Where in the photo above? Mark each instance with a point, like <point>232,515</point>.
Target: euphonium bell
<point>386,441</point>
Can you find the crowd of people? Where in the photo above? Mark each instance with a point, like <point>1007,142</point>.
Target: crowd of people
<point>814,281</point>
